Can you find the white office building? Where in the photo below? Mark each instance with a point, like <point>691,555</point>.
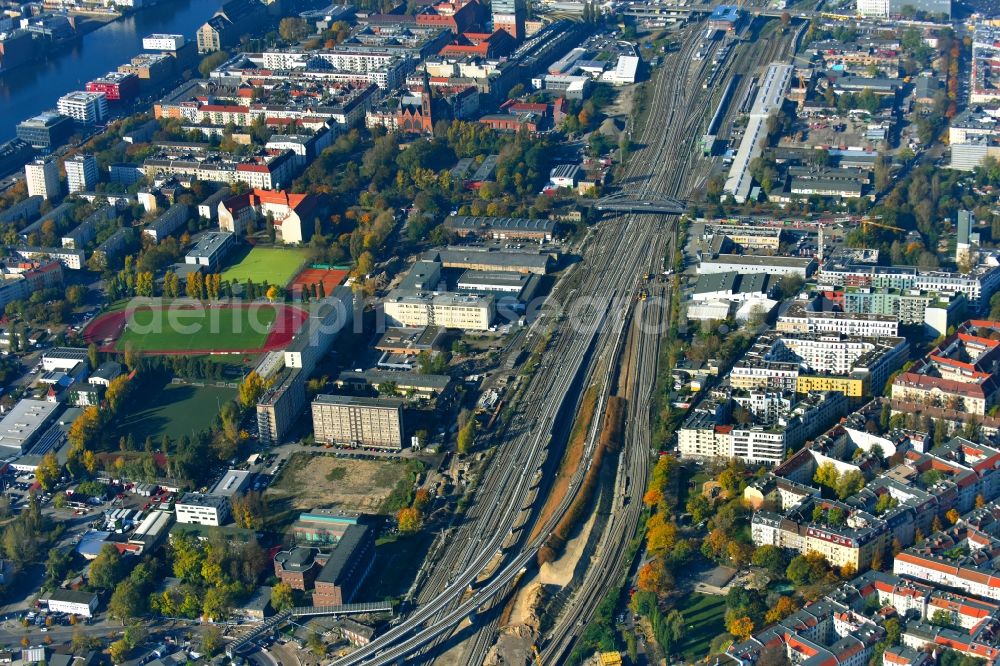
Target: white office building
<point>89,108</point>
<point>42,177</point>
<point>81,173</point>
<point>200,509</point>
<point>161,42</point>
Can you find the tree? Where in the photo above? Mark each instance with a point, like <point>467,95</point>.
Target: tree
<point>119,651</point>
<point>740,627</point>
<point>650,576</point>
<point>784,607</point>
<point>282,597</point>
<point>211,639</point>
<point>126,602</point>
<point>316,644</point>
<point>466,436</point>
<point>93,357</point>
<point>48,471</point>
<point>826,475</point>
<point>410,520</point>
<point>251,388</point>
<point>798,570</point>
<point>106,569</point>
<point>293,29</point>
<point>272,293</point>
<point>953,516</point>
<point>771,558</point>
<point>661,534</point>
<point>249,510</point>
<point>849,484</point>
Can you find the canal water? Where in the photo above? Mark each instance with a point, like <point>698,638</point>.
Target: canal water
<point>33,88</point>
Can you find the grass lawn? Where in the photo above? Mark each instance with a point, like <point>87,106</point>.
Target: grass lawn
<point>201,329</point>
<point>177,409</point>
<point>275,265</point>
<point>394,568</point>
<point>704,620</point>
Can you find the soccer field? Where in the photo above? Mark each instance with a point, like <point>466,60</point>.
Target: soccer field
<point>200,329</point>
<point>271,264</point>
<point>176,410</point>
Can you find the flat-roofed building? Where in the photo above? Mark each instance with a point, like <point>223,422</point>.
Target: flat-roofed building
<point>410,341</point>
<point>201,509</point>
<point>47,130</point>
<point>470,312</point>
<point>358,421</point>
<point>497,282</point>
<point>347,568</point>
<point>322,526</point>
<point>211,249</point>
<point>24,423</point>
<point>234,482</point>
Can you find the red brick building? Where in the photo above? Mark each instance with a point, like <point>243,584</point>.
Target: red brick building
<point>485,45</point>
<point>454,15</point>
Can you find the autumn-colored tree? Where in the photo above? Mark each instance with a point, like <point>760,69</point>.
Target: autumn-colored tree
<point>652,497</point>
<point>282,597</point>
<point>272,293</point>
<point>784,607</point>
<point>715,544</point>
<point>421,498</point>
<point>118,392</point>
<point>85,428</point>
<point>251,388</point>
<point>740,627</point>
<point>953,516</point>
<point>877,560</point>
<point>48,471</point>
<point>661,535</point>
<point>410,520</point>
<point>848,571</point>
<point>650,577</point>
<point>980,501</point>
<point>936,525</point>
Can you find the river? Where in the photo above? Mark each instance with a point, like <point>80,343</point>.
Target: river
<point>31,89</point>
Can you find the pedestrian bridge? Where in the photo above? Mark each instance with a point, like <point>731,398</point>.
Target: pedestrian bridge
<point>275,621</point>
<point>623,202</point>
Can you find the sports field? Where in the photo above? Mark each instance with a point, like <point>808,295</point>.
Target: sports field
<point>177,409</point>
<point>193,328</point>
<point>274,265</point>
<point>328,277</point>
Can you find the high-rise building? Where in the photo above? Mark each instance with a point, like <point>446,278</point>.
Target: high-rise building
<point>43,178</point>
<point>81,173</point>
<point>85,107</point>
<point>509,15</point>
<point>375,422</point>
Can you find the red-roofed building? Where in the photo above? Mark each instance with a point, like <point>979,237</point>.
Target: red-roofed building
<point>454,15</point>
<point>484,45</point>
<point>294,215</point>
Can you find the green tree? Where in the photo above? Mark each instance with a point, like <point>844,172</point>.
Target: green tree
<point>467,436</point>
<point>126,602</point>
<point>106,569</point>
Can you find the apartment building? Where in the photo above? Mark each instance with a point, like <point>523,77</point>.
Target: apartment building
<point>854,542</point>
<point>88,108</point>
<point>977,286</point>
<point>42,177</point>
<point>358,421</point>
<point>958,374</point>
<point>799,317</point>
<point>81,173</point>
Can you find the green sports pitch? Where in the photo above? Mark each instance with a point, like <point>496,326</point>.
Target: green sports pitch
<point>273,265</point>
<point>198,330</point>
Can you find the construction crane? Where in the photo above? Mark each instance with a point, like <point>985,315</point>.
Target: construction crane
<point>870,221</point>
